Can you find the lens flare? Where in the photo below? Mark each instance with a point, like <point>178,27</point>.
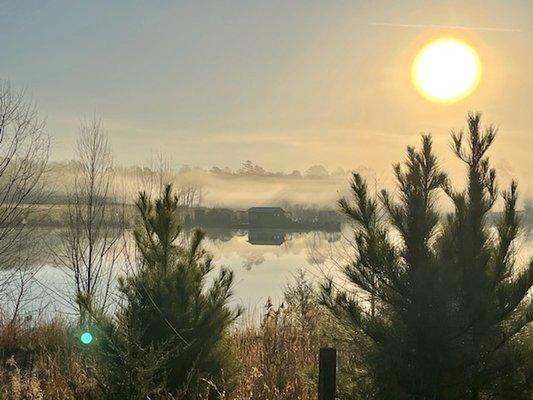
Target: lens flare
<point>86,337</point>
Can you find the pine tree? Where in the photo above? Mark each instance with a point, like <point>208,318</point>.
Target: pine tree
<point>494,301</point>
<point>168,337</point>
<point>437,305</point>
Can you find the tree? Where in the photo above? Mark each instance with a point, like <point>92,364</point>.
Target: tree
<point>154,178</point>
<point>24,148</point>
<point>394,299</point>
<point>89,244</point>
<point>189,195</point>
<point>248,168</point>
<point>169,308</point>
<point>435,305</point>
<point>317,171</point>
<point>495,293</point>
<point>295,174</point>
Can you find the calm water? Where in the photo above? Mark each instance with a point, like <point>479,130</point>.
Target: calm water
<point>263,262</point>
<point>262,268</point>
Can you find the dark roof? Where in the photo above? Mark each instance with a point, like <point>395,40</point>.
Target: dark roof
<point>265,209</point>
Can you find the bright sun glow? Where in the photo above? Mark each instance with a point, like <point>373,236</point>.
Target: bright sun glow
<point>446,70</point>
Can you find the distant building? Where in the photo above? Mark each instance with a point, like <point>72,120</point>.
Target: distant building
<point>267,217</point>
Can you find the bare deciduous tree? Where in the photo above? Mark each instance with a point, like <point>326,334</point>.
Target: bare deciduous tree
<point>153,178</point>
<point>24,148</point>
<point>190,196</point>
<point>159,174</point>
<point>90,245</point>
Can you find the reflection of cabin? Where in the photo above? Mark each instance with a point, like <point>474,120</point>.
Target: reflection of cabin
<point>266,237</point>
<point>267,217</point>
<point>317,219</point>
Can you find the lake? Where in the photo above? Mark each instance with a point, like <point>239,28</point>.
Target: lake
<point>263,262</point>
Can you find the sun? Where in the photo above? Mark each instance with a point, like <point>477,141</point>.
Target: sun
<point>446,70</point>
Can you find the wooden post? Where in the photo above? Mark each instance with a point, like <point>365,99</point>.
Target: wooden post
<point>327,362</point>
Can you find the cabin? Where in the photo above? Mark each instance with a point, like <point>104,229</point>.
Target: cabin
<point>267,217</point>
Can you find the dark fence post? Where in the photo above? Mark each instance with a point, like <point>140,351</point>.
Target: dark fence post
<point>327,362</point>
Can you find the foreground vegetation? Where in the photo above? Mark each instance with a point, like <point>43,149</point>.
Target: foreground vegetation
<point>272,359</point>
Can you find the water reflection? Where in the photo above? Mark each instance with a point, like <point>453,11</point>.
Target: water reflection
<point>263,261</point>
<point>266,237</point>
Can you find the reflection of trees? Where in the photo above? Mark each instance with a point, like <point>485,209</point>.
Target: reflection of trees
<point>315,254</point>
<point>288,245</point>
<point>323,249</point>
<point>320,246</point>
<point>222,235</point>
<point>253,260</point>
<point>270,237</point>
<point>317,248</point>
<point>332,237</point>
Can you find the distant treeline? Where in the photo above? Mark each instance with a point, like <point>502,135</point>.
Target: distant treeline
<point>249,185</point>
<point>56,215</point>
<point>297,219</point>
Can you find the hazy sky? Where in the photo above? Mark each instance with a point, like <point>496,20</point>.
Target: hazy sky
<point>286,84</point>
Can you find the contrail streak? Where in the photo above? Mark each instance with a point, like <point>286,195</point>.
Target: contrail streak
<point>422,26</point>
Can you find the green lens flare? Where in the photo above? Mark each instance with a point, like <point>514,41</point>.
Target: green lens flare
<point>86,337</point>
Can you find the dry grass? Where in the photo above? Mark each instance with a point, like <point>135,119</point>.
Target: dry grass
<point>278,357</point>
<point>38,361</point>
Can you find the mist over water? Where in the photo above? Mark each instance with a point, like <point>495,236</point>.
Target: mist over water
<point>315,187</point>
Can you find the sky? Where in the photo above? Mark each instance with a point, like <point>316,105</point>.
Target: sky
<point>286,84</point>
